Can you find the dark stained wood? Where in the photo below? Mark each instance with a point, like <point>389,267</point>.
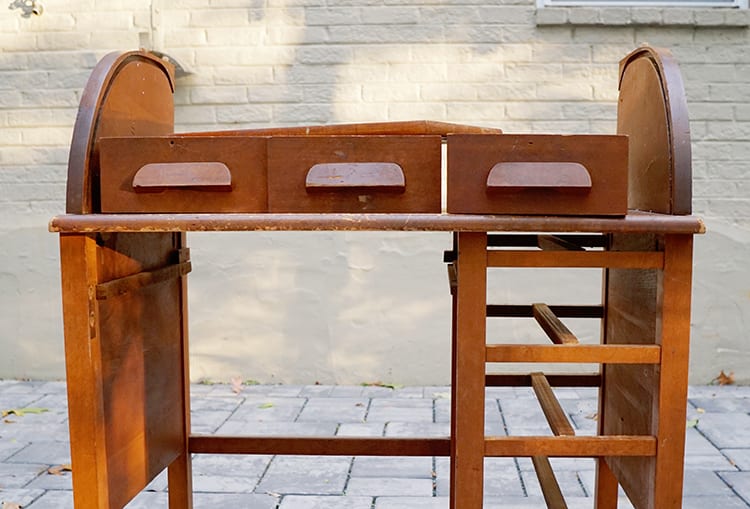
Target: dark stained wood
<point>472,157</point>
<point>539,175</point>
<point>467,403</point>
<point>652,111</point>
<point>624,260</point>
<point>161,175</point>
<point>633,223</point>
<point>570,447</point>
<point>527,311</point>
<point>558,333</point>
<point>550,489</point>
<point>599,354</point>
<point>556,417</point>
<point>321,446</point>
<point>290,159</point>
<point>575,380</point>
<point>134,282</point>
<point>409,127</point>
<point>123,160</point>
<point>380,176</point>
<point>127,94</point>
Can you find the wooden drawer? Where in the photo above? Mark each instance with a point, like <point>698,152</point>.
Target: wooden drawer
<point>183,174</point>
<point>354,174</point>
<point>538,174</point>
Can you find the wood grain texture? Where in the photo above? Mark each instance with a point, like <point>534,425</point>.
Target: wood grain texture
<point>190,174</point>
<point>632,223</point>
<point>127,94</point>
<point>570,447</point>
<point>290,159</point>
<point>550,488</point>
<point>467,403</point>
<point>597,354</point>
<point>625,260</point>
<point>556,417</point>
<point>122,160</point>
<point>558,333</point>
<point>472,157</point>
<point>571,177</point>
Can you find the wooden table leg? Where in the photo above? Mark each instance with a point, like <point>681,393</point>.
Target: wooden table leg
<point>467,404</point>
<point>673,333</point>
<point>606,486</point>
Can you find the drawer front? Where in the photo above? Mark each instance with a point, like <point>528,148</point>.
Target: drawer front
<point>183,174</point>
<point>538,174</point>
<point>354,174</point>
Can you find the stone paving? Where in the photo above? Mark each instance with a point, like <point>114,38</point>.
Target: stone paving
<point>717,458</point>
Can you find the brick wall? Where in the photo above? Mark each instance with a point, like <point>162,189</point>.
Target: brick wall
<point>283,62</point>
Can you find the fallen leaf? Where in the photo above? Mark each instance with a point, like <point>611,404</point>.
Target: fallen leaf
<point>8,421</point>
<point>724,379</point>
<point>381,384</point>
<point>59,469</point>
<point>266,405</point>
<point>11,505</point>
<point>700,410</point>
<point>692,423</point>
<point>20,412</point>
<point>236,384</point>
<point>250,381</point>
<point>359,404</point>
<point>593,417</point>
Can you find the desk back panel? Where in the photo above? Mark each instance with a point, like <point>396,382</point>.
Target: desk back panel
<point>652,111</point>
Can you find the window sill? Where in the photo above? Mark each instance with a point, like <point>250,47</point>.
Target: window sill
<point>643,16</point>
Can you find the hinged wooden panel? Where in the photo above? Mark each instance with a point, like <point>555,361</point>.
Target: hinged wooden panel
<point>179,176</point>
<point>291,159</point>
<point>558,169</point>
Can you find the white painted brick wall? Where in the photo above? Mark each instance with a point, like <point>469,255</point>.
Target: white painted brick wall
<point>260,63</point>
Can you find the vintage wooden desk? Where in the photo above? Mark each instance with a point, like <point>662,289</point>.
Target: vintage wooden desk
<point>621,203</point>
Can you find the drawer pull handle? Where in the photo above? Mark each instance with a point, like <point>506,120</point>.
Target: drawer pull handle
<point>539,175</point>
<point>380,176</point>
<point>214,176</point>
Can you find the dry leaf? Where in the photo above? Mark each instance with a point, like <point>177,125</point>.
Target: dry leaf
<point>59,469</point>
<point>11,505</point>
<point>266,405</point>
<point>236,384</point>
<point>593,417</point>
<point>20,412</point>
<point>381,384</point>
<point>700,410</point>
<point>724,379</point>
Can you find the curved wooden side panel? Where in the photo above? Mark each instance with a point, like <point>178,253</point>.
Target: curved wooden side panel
<point>127,94</point>
<point>652,111</point>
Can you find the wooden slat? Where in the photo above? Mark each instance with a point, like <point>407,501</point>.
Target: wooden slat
<point>570,447</point>
<point>558,421</point>
<point>634,222</point>
<point>598,354</point>
<point>558,333</point>
<point>526,311</point>
<point>512,380</point>
<point>320,446</point>
<point>621,260</point>
<point>550,489</point>
<point>126,284</point>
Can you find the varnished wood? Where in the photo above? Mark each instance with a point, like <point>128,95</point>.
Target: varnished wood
<point>518,176</point>
<point>558,421</point>
<point>606,486</point>
<point>467,403</point>
<point>123,285</point>
<point>599,354</point>
<point>575,380</point>
<point>127,94</point>
<point>550,488</point>
<point>321,446</point>
<point>622,260</point>
<point>570,447</point>
<point>380,176</point>
<point>633,223</point>
<point>558,333</point>
<point>201,175</point>
<point>417,158</point>
<point>409,127</point>
<point>472,157</point>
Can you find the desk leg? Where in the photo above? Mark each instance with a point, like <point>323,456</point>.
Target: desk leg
<point>83,368</point>
<point>180,472</point>
<point>673,333</point>
<point>606,486</point>
<point>468,384</point>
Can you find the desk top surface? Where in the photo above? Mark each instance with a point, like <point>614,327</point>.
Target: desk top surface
<point>633,222</point>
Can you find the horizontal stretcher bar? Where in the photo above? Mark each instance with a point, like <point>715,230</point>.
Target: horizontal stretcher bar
<point>584,354</point>
<point>635,222</point>
<point>517,446</point>
<point>577,259</point>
